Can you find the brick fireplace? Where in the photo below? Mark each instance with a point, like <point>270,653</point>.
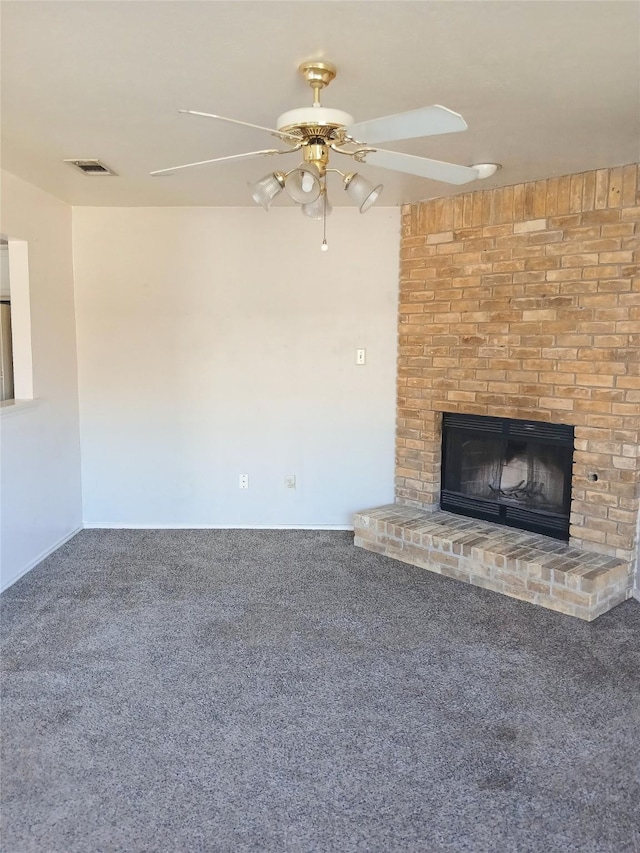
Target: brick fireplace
<point>522,302</point>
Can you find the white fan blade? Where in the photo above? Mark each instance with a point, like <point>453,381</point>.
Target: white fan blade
<point>219,159</point>
<point>279,133</point>
<point>450,173</point>
<point>426,121</point>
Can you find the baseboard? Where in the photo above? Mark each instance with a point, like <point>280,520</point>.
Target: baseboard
<point>127,525</point>
<point>40,558</point>
<point>636,594</point>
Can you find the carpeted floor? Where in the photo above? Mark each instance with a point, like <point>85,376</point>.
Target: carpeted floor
<point>283,691</point>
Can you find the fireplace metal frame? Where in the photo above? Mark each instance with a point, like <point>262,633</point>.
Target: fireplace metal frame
<point>535,520</point>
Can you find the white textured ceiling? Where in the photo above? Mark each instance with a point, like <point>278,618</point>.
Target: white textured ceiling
<point>547,88</point>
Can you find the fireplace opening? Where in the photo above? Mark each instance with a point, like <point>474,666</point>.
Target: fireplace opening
<point>512,472</point>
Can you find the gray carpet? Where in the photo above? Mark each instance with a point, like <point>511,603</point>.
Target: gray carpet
<point>283,691</point>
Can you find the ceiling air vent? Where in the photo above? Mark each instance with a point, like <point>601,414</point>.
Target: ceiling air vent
<point>91,167</point>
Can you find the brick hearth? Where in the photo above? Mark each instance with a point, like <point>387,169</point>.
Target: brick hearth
<point>523,565</point>
<point>524,302</point>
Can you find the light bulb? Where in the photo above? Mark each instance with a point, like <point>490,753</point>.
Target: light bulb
<point>324,247</point>
<point>303,183</point>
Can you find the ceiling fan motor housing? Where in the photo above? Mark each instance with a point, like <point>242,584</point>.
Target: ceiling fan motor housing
<point>311,118</point>
<point>316,126</point>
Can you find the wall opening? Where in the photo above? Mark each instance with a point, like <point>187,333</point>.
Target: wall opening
<point>16,379</point>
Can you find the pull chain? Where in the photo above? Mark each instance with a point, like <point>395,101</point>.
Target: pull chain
<point>324,247</point>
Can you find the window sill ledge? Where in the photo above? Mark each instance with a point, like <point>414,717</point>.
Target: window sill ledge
<point>15,407</point>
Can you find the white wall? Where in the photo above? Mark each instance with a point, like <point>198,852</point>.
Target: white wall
<point>213,342</point>
<point>40,493</point>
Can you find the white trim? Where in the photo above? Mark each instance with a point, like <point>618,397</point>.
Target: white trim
<point>127,525</point>
<point>635,593</point>
<point>41,557</point>
<point>16,407</point>
<point>20,319</point>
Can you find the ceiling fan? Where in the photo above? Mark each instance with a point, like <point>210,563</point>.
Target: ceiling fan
<point>318,131</point>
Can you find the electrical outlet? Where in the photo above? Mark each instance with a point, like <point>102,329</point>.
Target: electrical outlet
<point>244,481</point>
<point>361,356</point>
<point>290,481</point>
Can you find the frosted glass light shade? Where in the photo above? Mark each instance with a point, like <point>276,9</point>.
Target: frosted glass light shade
<point>266,189</point>
<point>315,209</point>
<point>361,192</point>
<point>303,183</point>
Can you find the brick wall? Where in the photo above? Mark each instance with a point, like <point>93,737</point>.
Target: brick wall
<point>524,302</point>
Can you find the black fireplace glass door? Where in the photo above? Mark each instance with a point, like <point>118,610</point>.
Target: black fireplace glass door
<point>519,473</point>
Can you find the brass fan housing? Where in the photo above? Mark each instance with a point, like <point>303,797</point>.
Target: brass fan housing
<point>316,126</point>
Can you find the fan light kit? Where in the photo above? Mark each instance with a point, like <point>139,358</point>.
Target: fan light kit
<point>317,131</point>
